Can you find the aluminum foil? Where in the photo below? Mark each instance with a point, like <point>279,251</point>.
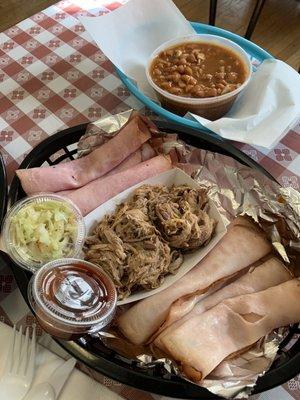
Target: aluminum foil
<point>101,131</point>
<point>237,190</point>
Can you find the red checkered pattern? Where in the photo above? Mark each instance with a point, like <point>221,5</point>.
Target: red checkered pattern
<point>52,76</point>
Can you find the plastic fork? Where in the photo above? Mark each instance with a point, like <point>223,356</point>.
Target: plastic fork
<point>20,364</point>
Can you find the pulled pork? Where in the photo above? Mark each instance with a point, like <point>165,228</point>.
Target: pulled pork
<point>144,239</point>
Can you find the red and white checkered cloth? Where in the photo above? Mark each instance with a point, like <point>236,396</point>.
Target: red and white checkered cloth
<point>52,76</point>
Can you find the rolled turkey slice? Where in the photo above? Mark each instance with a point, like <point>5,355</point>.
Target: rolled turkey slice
<point>241,246</point>
<point>229,328</point>
<point>270,273</point>
<point>76,173</point>
<point>95,193</point>
<point>143,154</point>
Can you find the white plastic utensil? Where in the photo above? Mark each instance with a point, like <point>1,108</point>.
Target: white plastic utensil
<point>51,389</point>
<point>19,368</point>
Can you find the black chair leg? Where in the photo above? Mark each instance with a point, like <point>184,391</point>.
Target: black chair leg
<point>212,12</point>
<point>254,18</point>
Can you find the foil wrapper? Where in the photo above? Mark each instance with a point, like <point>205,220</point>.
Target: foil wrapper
<point>236,190</point>
<point>100,131</point>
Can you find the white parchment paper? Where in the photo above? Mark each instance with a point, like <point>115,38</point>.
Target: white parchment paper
<point>130,34</point>
<point>266,110</point>
<point>262,114</point>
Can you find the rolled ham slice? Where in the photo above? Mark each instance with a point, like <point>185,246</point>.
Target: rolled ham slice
<point>241,246</point>
<point>76,173</point>
<point>229,328</point>
<point>95,193</point>
<point>270,273</point>
<point>143,154</point>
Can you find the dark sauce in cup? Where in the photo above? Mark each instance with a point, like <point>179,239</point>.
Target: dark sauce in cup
<point>72,298</point>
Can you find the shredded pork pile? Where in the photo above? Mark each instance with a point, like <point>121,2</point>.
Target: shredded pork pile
<point>144,239</point>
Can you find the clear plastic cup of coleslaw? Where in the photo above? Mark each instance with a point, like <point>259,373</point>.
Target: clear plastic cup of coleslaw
<point>41,228</point>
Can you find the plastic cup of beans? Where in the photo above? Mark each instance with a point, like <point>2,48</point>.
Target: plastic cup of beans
<point>201,74</point>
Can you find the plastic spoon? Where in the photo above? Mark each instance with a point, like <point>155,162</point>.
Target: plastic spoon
<point>51,389</point>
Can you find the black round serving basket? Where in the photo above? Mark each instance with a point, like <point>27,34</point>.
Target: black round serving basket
<point>91,351</point>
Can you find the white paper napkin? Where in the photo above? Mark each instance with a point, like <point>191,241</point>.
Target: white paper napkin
<point>78,387</point>
<point>261,115</point>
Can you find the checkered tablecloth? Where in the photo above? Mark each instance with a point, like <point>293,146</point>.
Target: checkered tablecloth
<point>52,76</point>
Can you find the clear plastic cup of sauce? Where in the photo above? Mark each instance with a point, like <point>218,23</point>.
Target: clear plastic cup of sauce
<point>72,298</point>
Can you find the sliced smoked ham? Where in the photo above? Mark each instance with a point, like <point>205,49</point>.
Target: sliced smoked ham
<point>76,173</point>
<point>242,245</point>
<point>270,273</point>
<point>95,193</point>
<point>143,154</point>
<point>202,342</point>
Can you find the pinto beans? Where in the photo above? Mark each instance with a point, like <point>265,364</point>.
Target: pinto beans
<point>198,69</point>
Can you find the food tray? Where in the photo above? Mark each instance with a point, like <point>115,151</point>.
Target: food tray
<point>92,352</point>
<point>177,177</point>
<point>256,54</point>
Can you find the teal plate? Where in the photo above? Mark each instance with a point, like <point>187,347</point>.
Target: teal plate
<point>257,55</point>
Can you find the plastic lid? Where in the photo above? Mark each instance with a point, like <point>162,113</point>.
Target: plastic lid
<point>74,292</point>
<point>20,254</point>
